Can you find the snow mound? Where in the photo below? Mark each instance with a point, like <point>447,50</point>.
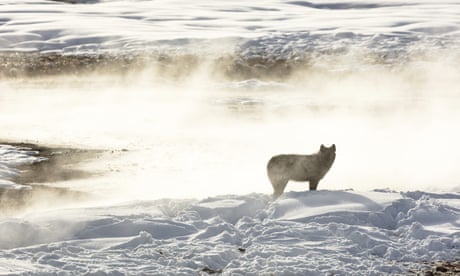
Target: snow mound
<point>302,233</point>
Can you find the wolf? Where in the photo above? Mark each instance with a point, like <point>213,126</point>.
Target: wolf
<point>311,168</point>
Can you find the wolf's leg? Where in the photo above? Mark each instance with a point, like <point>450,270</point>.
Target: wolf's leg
<point>278,187</point>
<point>313,184</point>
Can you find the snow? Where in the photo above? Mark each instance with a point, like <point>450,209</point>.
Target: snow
<point>49,26</point>
<point>12,157</point>
<point>302,233</point>
<point>189,195</point>
<point>340,232</point>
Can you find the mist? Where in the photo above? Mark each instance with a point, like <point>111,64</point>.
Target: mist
<point>200,135</point>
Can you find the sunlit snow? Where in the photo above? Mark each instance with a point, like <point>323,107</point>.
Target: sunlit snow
<point>186,101</point>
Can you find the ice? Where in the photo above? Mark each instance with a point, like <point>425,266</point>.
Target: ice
<point>12,157</point>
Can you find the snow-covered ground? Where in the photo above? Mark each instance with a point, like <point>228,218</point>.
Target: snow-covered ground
<point>276,25</point>
<point>181,187</point>
<point>302,233</point>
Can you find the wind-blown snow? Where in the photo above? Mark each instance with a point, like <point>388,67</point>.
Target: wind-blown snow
<point>302,233</point>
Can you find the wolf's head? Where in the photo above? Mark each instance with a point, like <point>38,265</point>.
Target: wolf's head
<point>325,149</point>
<point>328,152</point>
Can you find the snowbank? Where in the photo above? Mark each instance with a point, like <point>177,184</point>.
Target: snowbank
<point>302,233</point>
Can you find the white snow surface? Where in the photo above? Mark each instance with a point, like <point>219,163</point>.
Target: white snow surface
<point>302,233</point>
<point>279,26</point>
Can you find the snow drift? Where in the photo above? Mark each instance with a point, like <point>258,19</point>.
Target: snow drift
<point>302,233</point>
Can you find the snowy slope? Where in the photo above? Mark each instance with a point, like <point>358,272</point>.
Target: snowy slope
<point>302,233</point>
<point>95,26</point>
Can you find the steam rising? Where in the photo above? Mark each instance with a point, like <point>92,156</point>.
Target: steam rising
<point>202,133</point>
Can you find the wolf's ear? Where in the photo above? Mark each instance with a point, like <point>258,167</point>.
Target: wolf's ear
<point>322,148</point>
<point>333,147</point>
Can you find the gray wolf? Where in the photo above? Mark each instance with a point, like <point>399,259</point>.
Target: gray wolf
<point>311,168</point>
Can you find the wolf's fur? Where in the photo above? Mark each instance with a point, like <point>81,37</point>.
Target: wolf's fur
<point>311,168</point>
